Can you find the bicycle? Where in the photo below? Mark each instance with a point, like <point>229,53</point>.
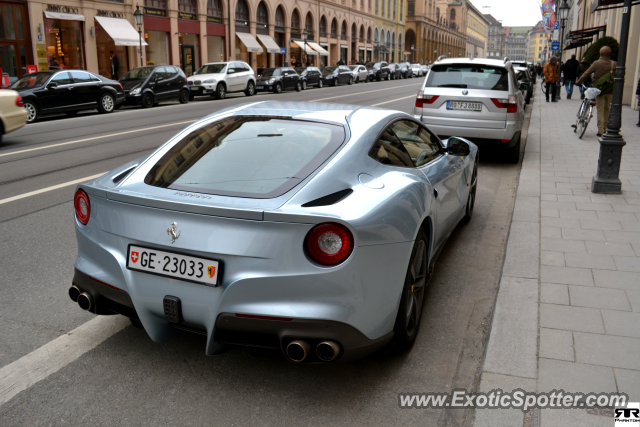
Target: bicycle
<point>585,113</point>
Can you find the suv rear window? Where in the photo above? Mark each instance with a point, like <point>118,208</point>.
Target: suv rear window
<point>253,157</point>
<point>469,76</point>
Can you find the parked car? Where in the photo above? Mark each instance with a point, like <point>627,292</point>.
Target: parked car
<point>217,79</point>
<point>360,73</point>
<point>425,69</point>
<point>417,70</point>
<point>394,71</point>
<point>405,68</point>
<point>378,71</point>
<point>148,86</point>
<point>312,229</point>
<point>525,82</point>
<point>12,113</point>
<point>333,76</point>
<point>278,79</point>
<point>67,91</point>
<point>310,76</point>
<point>476,99</point>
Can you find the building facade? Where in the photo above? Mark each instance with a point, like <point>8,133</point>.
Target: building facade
<point>537,44</point>
<point>495,38</point>
<point>515,43</point>
<point>477,31</point>
<point>389,22</point>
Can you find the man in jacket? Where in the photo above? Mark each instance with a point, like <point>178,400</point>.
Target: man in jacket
<point>584,66</point>
<point>551,78</point>
<point>570,74</point>
<point>603,102</point>
<point>115,65</point>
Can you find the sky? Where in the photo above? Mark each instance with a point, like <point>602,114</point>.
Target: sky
<point>513,13</point>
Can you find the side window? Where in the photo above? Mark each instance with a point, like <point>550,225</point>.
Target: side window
<point>418,142</point>
<point>61,79</point>
<point>388,150</point>
<point>94,78</point>
<point>159,73</point>
<point>80,77</point>
<point>171,72</point>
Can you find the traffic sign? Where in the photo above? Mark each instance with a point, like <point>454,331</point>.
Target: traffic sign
<point>555,45</point>
<point>556,26</point>
<point>283,50</point>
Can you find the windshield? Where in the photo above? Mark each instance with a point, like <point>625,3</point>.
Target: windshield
<point>300,70</point>
<point>31,80</point>
<point>469,76</point>
<point>212,69</point>
<point>377,65</point>
<point>268,72</point>
<point>328,70</point>
<point>255,157</point>
<point>353,67</point>
<point>137,74</point>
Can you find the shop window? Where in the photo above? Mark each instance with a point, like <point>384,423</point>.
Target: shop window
<point>65,43</point>
<point>157,48</point>
<point>108,67</point>
<point>215,48</point>
<point>13,45</point>
<point>214,8</point>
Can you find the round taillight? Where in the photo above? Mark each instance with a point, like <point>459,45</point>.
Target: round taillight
<point>19,102</point>
<point>82,206</point>
<point>329,243</point>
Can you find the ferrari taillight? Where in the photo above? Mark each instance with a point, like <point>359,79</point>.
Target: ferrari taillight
<point>19,102</point>
<point>82,206</point>
<point>329,243</point>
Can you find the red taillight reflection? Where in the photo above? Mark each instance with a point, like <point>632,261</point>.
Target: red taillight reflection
<point>82,206</point>
<point>329,243</point>
<point>19,102</point>
<point>426,99</point>
<point>511,107</point>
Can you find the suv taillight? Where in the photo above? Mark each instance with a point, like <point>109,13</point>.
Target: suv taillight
<point>510,104</point>
<point>82,206</point>
<point>425,99</point>
<point>329,243</point>
<point>19,102</point>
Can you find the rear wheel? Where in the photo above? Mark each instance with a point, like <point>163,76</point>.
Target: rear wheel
<point>350,80</point>
<point>304,85</point>
<point>251,89</point>
<point>184,96</point>
<point>471,199</point>
<point>320,83</point>
<point>107,103</point>
<point>147,100</point>
<point>221,92</point>
<point>513,155</point>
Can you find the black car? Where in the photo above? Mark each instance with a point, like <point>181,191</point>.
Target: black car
<point>378,71</point>
<point>149,85</point>
<point>525,83</point>
<point>278,79</point>
<point>333,76</point>
<point>405,69</point>
<point>310,76</point>
<point>66,91</point>
<point>394,70</point>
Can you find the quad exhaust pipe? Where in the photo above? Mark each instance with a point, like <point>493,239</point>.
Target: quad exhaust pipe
<point>298,350</point>
<point>327,350</point>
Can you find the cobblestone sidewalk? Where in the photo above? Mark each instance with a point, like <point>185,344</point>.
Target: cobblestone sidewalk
<point>568,309</point>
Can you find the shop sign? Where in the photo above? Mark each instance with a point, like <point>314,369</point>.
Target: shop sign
<point>185,15</point>
<point>110,14</point>
<point>62,9</point>
<point>214,19</point>
<point>155,12</point>
<point>32,69</point>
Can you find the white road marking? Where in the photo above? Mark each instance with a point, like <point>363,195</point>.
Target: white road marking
<point>95,137</point>
<point>55,355</point>
<point>53,187</point>
<point>394,100</point>
<point>360,93</point>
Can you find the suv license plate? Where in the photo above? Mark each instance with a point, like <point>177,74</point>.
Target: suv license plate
<point>169,264</point>
<point>460,105</point>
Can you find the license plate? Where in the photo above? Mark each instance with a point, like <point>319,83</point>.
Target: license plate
<point>170,264</point>
<point>208,90</point>
<point>259,87</point>
<point>461,105</point>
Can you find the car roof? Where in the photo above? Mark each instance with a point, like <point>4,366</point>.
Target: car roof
<point>483,61</point>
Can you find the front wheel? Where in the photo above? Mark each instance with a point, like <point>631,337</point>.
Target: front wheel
<point>184,96</point>
<point>32,111</point>
<point>319,83</point>
<point>298,87</point>
<point>147,100</point>
<point>251,89</point>
<point>350,80</point>
<point>304,85</point>
<point>221,92</point>
<point>107,103</point>
<point>471,199</point>
<point>277,88</point>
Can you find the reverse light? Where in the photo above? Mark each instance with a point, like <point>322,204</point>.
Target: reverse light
<point>19,102</point>
<point>425,99</point>
<point>510,104</point>
<point>329,243</point>
<point>82,206</point>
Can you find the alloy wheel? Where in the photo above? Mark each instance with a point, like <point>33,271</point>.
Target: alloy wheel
<point>415,298</point>
<point>107,103</point>
<point>32,112</point>
<point>304,85</point>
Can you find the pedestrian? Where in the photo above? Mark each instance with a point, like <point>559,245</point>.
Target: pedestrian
<point>53,63</point>
<point>601,69</point>
<point>570,74</point>
<point>638,98</point>
<point>551,78</point>
<point>539,69</point>
<point>584,66</point>
<point>340,62</point>
<point>115,65</point>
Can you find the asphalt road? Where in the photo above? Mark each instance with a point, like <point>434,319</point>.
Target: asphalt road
<point>129,380</point>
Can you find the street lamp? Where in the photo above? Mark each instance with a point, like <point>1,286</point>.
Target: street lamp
<point>305,34</point>
<point>564,14</point>
<point>139,17</point>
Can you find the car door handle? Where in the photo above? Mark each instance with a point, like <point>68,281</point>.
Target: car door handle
<point>70,87</point>
<point>435,193</point>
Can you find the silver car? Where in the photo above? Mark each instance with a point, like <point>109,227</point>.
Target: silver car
<point>307,227</point>
<point>478,99</point>
<point>216,79</point>
<point>360,73</point>
<point>417,70</point>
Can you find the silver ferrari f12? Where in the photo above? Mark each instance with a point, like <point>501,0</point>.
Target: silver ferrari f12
<point>307,227</point>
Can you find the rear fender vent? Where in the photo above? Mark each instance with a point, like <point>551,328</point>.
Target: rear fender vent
<point>123,174</point>
<point>330,199</point>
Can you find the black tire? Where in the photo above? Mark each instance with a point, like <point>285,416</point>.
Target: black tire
<point>320,83</point>
<point>412,297</point>
<point>513,155</point>
<point>304,85</point>
<point>298,87</point>
<point>251,89</point>
<point>117,107</point>
<point>350,80</point>
<point>191,97</point>
<point>277,88</point>
<point>366,80</point>
<point>184,96</point>
<point>358,79</point>
<point>471,199</point>
<point>334,82</point>
<point>388,76</point>
<point>147,100</point>
<point>136,323</point>
<point>107,103</point>
<point>71,113</point>
<point>379,77</point>
<point>221,92</point>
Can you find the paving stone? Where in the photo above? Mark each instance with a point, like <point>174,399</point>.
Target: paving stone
<point>622,236</point>
<point>578,214</point>
<point>523,250</point>
<point>551,232</point>
<point>617,216</point>
<point>627,263</point>
<point>575,377</point>
<point>560,222</point>
<point>607,350</point>
<point>622,323</point>
<point>634,299</point>
<point>571,318</point>
<point>558,205</point>
<point>556,344</point>
<point>550,213</point>
<point>609,248</point>
<point>549,197</point>
<point>628,382</point>
<point>561,245</point>
<point>603,262</point>
<point>527,209</point>
<point>630,226</point>
<point>626,208</point>
<point>598,224</point>
<point>614,200</point>
<point>565,198</point>
<point>567,275</point>
<point>553,293</point>
<point>616,279</point>
<point>552,258</point>
<point>594,207</point>
<point>501,417</point>
<point>595,297</point>
<point>580,234</point>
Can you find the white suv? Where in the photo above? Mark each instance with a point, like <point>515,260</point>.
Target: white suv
<point>219,78</point>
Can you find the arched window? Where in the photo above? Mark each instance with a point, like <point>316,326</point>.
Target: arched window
<point>375,36</point>
<point>361,33</point>
<point>323,27</point>
<point>242,11</point>
<point>388,38</point>
<point>308,23</point>
<point>334,28</point>
<point>262,15</point>
<point>369,35</point>
<point>343,30</point>
<point>214,8</point>
<point>295,21</point>
<point>187,6</point>
<point>437,13</point>
<point>399,41</point>
<point>453,15</point>
<point>353,32</point>
<point>279,17</point>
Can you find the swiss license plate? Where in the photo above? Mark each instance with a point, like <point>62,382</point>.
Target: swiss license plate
<point>461,105</point>
<point>170,264</point>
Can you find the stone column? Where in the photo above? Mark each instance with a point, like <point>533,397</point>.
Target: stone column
<point>253,56</point>
<point>204,46</point>
<point>172,12</point>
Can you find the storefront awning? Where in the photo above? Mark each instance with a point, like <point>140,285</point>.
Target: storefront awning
<point>609,4</point>
<point>121,31</point>
<point>315,46</point>
<point>269,43</point>
<point>578,43</point>
<point>306,48</point>
<point>382,49</point>
<point>586,32</point>
<point>251,43</point>
<point>65,16</point>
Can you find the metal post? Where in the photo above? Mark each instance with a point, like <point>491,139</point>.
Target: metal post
<point>606,179</point>
<point>140,34</point>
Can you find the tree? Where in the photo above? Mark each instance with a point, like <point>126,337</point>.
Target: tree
<point>593,53</point>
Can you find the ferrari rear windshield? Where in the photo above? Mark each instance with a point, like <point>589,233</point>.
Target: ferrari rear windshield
<point>240,156</point>
<point>469,76</point>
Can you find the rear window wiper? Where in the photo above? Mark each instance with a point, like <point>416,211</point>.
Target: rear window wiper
<point>454,85</point>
